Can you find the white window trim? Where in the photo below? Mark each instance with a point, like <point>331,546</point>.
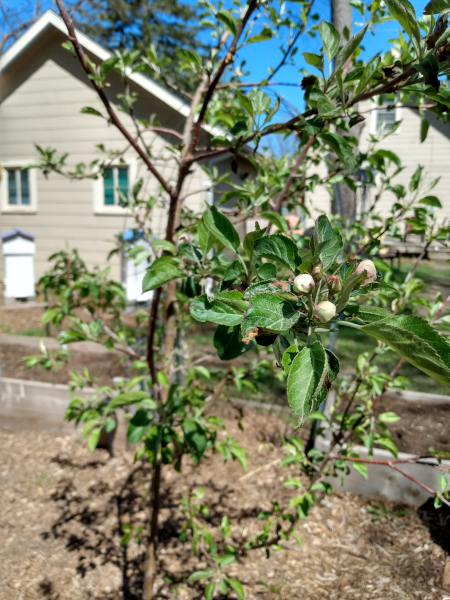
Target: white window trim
<point>98,189</point>
<point>373,120</point>
<point>4,191</point>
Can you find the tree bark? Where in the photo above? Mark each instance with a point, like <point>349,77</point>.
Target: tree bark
<point>150,565</point>
<point>344,197</point>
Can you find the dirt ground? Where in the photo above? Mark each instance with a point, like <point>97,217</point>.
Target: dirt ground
<point>421,425</point>
<point>61,510</point>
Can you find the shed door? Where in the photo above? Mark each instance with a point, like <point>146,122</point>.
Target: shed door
<point>19,276</point>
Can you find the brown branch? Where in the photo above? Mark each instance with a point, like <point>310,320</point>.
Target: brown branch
<point>391,464</point>
<point>292,174</point>
<point>152,322</point>
<point>229,57</point>
<point>72,36</point>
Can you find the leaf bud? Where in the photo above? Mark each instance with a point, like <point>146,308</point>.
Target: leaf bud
<point>303,284</point>
<point>324,311</point>
<point>317,272</point>
<point>369,268</point>
<point>334,284</point>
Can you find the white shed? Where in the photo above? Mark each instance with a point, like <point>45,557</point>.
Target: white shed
<point>18,251</point>
<point>133,274</point>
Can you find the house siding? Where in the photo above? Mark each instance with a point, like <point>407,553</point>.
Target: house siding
<point>45,110</point>
<point>433,155</point>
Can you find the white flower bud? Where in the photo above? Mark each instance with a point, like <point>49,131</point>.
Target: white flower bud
<point>324,311</point>
<point>304,283</point>
<point>369,268</point>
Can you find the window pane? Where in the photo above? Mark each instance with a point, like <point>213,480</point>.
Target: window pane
<point>108,184</point>
<point>12,187</point>
<point>386,118</point>
<point>24,187</point>
<point>122,180</point>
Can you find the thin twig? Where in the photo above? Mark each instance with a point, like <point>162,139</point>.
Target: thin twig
<point>112,114</point>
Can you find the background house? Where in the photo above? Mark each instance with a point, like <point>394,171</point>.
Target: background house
<point>433,154</point>
<point>42,91</point>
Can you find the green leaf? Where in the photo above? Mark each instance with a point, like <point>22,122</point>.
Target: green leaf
<point>305,380</point>
<point>436,6</point>
<point>209,590</point>
<point>266,34</point>
<point>330,39</point>
<point>271,313</point>
<point>250,240</point>
<point>289,355</point>
<point>388,444</point>
<point>443,96</point>
<point>221,227</point>
<point>166,245</point>
<point>204,309</point>
<point>443,482</point>
<point>225,17</point>
<point>161,271</point>
<point>349,285</point>
<point>128,398</point>
<point>424,127</point>
<point>431,201</point>
<point>194,435</point>
<point>271,286</point>
<point>267,271</point>
<point>205,237</point>
<point>404,12</point>
<point>429,68</point>
<point>228,342</point>
<point>237,588</point>
<point>413,338</point>
<point>349,48</point>
<point>369,71</point>
<point>361,468</point>
<point>326,108</point>
<point>109,64</point>
<point>232,299</point>
<point>279,346</point>
<point>388,417</point>
<point>137,426</point>
<point>94,438</point>
<point>325,234</point>
<point>87,110</point>
<point>341,148</point>
<point>280,249</point>
<point>366,313</point>
<point>312,59</point>
<point>276,219</point>
<point>199,575</point>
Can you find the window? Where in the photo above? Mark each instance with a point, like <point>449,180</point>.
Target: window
<point>107,191</point>
<point>18,188</point>
<point>386,117</point>
<point>116,179</point>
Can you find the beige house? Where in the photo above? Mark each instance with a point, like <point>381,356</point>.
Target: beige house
<point>42,91</point>
<point>433,154</point>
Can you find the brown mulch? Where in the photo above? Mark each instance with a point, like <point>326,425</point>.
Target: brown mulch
<point>422,424</point>
<point>61,509</point>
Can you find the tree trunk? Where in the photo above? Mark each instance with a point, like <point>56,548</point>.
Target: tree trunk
<point>150,565</point>
<point>344,197</point>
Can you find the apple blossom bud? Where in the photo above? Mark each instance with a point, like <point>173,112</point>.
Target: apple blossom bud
<point>369,268</point>
<point>303,284</point>
<point>317,272</point>
<point>334,284</point>
<point>324,311</point>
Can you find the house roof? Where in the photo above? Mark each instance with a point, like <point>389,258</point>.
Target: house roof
<point>51,19</point>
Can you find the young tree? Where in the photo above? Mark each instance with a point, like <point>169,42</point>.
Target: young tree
<point>282,290</point>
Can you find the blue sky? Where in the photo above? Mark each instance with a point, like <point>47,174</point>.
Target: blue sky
<point>261,55</point>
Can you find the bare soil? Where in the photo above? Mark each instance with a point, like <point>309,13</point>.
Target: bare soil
<point>422,425</point>
<point>61,511</point>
